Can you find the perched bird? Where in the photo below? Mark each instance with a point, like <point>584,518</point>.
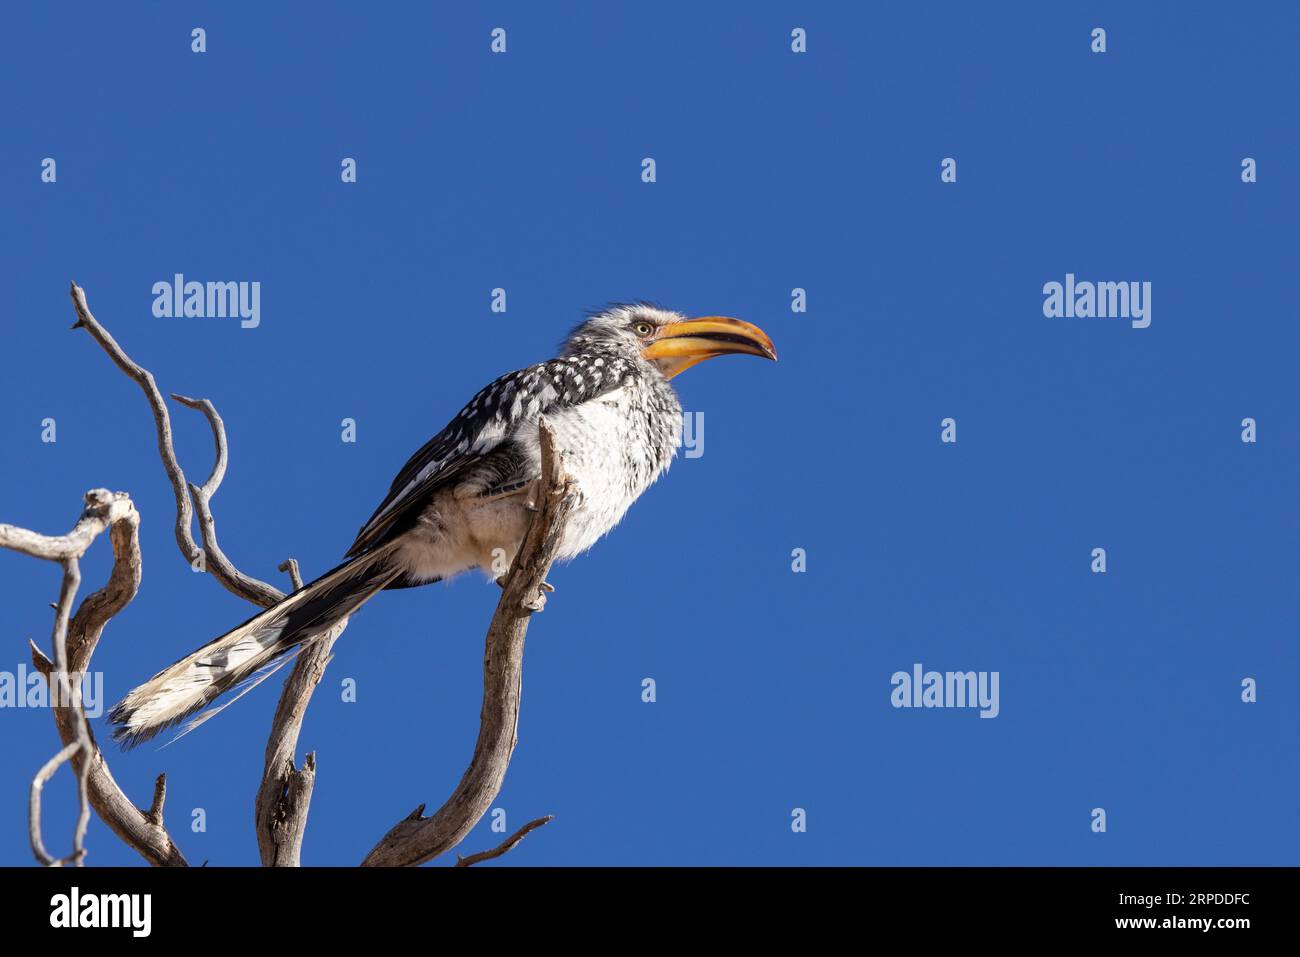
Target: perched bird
<point>464,500</point>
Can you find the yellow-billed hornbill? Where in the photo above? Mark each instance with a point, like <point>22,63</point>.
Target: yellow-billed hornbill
<point>464,500</point>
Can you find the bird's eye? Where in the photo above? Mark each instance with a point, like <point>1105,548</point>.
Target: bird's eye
<point>643,329</point>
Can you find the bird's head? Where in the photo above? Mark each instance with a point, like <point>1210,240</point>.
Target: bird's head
<point>669,341</point>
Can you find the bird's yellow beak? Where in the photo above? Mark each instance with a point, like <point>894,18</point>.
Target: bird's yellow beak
<point>679,345</point>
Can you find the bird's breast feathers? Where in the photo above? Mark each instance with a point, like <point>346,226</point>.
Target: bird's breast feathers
<point>613,447</point>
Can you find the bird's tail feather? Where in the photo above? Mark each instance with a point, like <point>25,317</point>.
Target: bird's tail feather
<point>200,678</point>
<point>243,687</point>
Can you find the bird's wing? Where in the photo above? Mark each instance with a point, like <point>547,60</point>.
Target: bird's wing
<point>485,423</point>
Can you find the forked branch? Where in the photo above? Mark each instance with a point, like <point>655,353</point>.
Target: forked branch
<point>284,795</point>
<point>74,642</point>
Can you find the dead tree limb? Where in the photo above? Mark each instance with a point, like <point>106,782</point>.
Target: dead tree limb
<point>417,839</point>
<point>213,559</point>
<point>34,811</point>
<point>508,844</point>
<point>284,796</point>
<point>74,642</point>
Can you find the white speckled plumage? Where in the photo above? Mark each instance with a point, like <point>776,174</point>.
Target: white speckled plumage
<point>613,446</point>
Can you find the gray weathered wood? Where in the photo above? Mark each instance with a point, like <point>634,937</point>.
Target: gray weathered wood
<point>279,821</point>
<point>74,643</point>
<point>417,839</point>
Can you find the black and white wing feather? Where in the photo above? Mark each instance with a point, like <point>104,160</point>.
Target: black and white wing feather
<point>485,424</point>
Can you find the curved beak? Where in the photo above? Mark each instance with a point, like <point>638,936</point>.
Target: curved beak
<point>681,345</point>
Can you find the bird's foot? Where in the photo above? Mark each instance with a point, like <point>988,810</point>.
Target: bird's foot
<point>539,603</point>
<point>535,604</point>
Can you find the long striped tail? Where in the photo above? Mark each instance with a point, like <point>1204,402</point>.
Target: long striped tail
<point>197,680</point>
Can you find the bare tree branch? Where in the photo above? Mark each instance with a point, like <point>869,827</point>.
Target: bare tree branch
<point>214,559</point>
<point>34,806</point>
<point>74,642</point>
<point>56,548</point>
<point>417,839</point>
<point>283,799</point>
<point>221,567</point>
<point>290,565</point>
<point>101,508</point>
<point>507,845</point>
<point>284,796</point>
<point>140,830</point>
<point>69,690</point>
<point>159,798</point>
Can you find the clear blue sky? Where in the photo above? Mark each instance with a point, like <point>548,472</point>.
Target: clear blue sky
<point>775,170</point>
